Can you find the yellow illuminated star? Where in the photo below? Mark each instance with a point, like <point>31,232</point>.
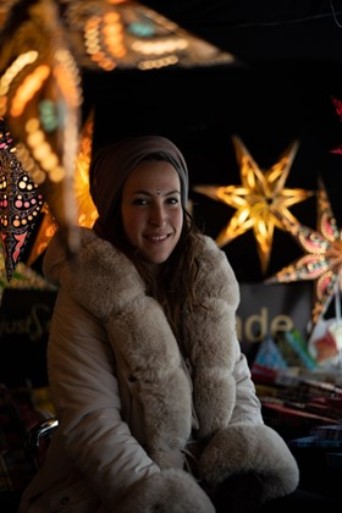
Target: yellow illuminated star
<point>260,202</point>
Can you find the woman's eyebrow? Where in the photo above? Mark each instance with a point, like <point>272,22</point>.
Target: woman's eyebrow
<point>149,193</point>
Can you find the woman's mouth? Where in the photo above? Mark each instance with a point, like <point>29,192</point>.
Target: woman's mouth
<point>156,238</point>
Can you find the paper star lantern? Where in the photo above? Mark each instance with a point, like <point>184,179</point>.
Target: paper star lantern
<point>322,261</point>
<point>40,98</point>
<point>20,203</point>
<point>110,34</point>
<point>259,200</point>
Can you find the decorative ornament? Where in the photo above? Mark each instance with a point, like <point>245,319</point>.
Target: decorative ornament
<point>261,201</point>
<point>20,203</point>
<point>40,97</point>
<point>323,259</point>
<point>110,34</point>
<point>86,212</point>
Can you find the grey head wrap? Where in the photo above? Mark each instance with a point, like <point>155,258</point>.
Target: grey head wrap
<point>112,164</point>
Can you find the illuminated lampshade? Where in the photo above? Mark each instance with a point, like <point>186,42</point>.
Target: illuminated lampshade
<point>258,200</point>
<point>110,34</point>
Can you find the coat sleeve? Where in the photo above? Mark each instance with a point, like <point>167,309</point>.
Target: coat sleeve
<point>247,406</point>
<point>85,392</point>
<point>247,446</point>
<point>243,443</point>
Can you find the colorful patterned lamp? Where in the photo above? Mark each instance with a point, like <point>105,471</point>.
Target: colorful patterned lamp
<point>20,203</point>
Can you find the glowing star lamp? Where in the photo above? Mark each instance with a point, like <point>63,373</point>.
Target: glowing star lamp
<point>322,261</point>
<point>260,201</point>
<point>114,34</point>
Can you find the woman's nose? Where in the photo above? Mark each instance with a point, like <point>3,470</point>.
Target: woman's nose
<point>157,216</point>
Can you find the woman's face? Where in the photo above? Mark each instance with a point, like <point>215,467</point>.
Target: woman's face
<point>151,210</point>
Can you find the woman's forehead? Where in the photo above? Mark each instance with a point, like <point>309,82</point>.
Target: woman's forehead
<point>153,173</point>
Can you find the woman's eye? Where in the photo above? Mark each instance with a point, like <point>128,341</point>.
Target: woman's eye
<point>173,201</point>
<point>140,201</point>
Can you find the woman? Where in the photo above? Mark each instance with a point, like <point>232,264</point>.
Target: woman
<point>156,406</point>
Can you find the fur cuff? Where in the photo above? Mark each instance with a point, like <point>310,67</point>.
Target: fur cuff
<point>169,491</point>
<point>248,448</point>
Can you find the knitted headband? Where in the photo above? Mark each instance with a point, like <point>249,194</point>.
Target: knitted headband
<point>112,164</point>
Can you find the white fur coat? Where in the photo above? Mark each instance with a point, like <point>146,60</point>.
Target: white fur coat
<point>164,399</point>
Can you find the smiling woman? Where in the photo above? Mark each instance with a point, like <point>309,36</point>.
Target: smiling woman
<point>156,406</point>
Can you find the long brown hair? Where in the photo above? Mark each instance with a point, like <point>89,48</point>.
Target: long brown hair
<point>174,288</point>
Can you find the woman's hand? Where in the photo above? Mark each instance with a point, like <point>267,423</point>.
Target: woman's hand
<point>240,493</point>
<point>169,491</point>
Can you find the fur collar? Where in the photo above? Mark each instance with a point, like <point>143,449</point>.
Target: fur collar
<point>106,283</point>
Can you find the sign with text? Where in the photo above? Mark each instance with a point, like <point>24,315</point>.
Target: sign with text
<point>268,309</point>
